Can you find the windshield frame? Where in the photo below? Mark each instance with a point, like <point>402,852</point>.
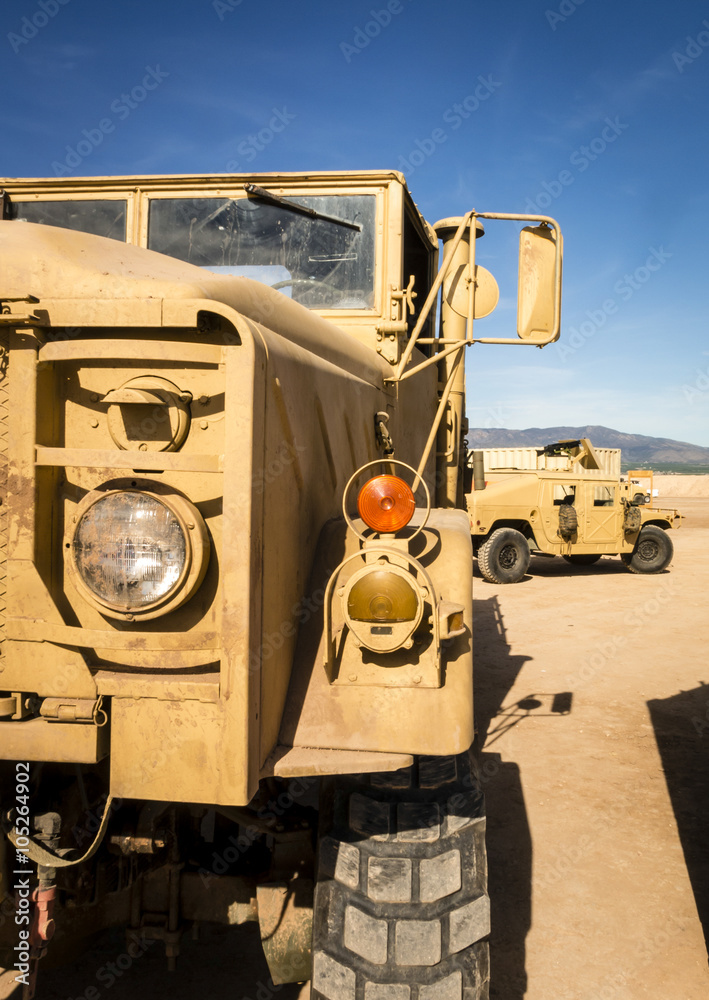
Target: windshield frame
<point>237,192</point>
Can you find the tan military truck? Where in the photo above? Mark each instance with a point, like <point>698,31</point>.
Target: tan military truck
<point>236,571</point>
<point>569,505</point>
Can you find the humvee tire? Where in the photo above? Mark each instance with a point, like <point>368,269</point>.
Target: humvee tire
<point>652,553</point>
<point>401,896</point>
<point>504,557</point>
<point>582,558</point>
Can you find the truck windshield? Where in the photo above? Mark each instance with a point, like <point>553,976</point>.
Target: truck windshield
<point>102,218</point>
<point>314,260</point>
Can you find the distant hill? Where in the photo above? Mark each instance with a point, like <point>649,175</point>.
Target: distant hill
<point>638,450</point>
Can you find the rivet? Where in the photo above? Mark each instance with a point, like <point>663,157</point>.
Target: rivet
<point>190,525</point>
<point>204,400</point>
<point>94,397</point>
<point>142,446</point>
<point>129,618</point>
<point>353,677</point>
<point>204,424</point>
<point>417,679</point>
<point>94,422</point>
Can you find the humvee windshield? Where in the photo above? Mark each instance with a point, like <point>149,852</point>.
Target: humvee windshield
<point>315,260</point>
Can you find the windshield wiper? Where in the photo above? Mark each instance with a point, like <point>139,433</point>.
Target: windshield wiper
<point>293,206</point>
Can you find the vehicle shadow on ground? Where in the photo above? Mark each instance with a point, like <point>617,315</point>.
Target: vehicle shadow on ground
<point>225,961</point>
<point>681,725</point>
<point>509,842</point>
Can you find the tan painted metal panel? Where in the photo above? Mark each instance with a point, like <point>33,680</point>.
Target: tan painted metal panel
<point>42,739</point>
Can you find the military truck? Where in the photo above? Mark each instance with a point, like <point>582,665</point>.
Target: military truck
<point>236,568</point>
<point>571,507</point>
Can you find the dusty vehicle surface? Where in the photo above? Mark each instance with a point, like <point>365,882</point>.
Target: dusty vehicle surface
<point>574,509</point>
<point>236,564</point>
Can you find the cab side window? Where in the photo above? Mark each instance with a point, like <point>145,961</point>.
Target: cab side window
<point>418,261</point>
<point>564,495</point>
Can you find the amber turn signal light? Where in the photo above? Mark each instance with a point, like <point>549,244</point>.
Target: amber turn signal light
<point>386,504</point>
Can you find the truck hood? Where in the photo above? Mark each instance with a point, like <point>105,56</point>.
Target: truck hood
<point>52,263</point>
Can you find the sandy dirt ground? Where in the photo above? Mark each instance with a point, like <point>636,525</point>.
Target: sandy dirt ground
<point>595,723</point>
<point>590,693</point>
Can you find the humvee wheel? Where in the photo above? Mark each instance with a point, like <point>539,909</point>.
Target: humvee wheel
<point>582,558</point>
<point>401,897</point>
<point>504,557</point>
<point>652,553</point>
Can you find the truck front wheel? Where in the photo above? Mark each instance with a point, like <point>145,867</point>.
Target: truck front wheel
<point>652,553</point>
<point>504,557</point>
<point>401,899</point>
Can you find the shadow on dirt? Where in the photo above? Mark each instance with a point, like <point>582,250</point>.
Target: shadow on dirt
<point>509,842</point>
<point>681,725</point>
<point>225,961</point>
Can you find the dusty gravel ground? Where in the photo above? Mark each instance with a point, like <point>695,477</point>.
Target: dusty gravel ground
<point>595,722</point>
<point>596,725</point>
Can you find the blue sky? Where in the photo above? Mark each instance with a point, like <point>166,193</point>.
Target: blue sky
<point>595,112</point>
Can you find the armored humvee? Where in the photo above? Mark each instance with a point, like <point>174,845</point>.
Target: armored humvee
<point>236,571</point>
<point>569,506</point>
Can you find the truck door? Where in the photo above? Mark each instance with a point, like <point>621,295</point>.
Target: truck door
<point>600,516</point>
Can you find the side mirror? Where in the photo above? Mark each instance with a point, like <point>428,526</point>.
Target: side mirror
<point>539,287</point>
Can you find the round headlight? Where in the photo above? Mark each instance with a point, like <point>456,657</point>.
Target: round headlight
<point>133,551</point>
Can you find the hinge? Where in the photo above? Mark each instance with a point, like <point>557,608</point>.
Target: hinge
<point>8,318</point>
<point>401,304</point>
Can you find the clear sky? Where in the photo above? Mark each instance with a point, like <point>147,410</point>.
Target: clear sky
<point>595,112</point>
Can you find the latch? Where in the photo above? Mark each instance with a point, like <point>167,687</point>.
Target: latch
<point>8,318</point>
<point>401,304</point>
<point>384,438</point>
<point>74,710</point>
<point>148,413</point>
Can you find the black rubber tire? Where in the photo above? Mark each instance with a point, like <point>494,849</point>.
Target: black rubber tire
<point>401,898</point>
<point>652,553</point>
<point>504,557</point>
<point>582,558</point>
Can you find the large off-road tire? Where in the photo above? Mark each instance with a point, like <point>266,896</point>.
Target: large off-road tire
<point>401,906</point>
<point>504,557</point>
<point>582,558</point>
<point>652,553</point>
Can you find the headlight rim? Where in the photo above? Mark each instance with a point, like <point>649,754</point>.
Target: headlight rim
<point>197,550</point>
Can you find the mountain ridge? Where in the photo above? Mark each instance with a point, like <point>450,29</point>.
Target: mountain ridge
<point>636,449</point>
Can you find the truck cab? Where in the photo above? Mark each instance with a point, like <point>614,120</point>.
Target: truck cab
<point>237,632</point>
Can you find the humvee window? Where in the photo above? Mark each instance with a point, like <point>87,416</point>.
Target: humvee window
<point>101,218</point>
<point>564,495</point>
<point>314,260</point>
<point>604,496</point>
